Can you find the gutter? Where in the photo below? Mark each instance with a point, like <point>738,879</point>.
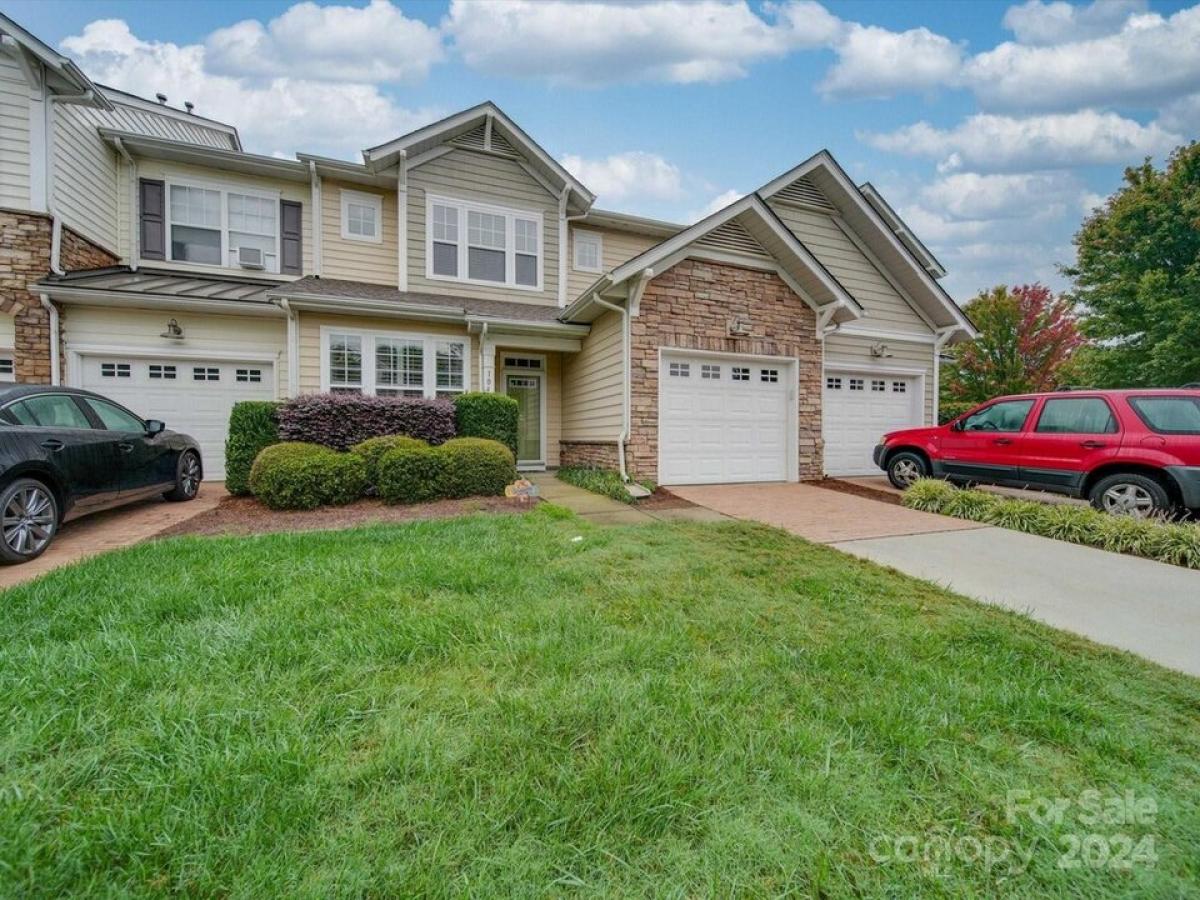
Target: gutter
<point>483,358</point>
<point>316,215</point>
<point>55,363</point>
<point>293,347</point>
<point>625,393</point>
<point>134,235</point>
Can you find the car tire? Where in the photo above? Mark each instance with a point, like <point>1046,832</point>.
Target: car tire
<point>905,468</point>
<point>1128,493</point>
<point>187,478</point>
<point>29,519</point>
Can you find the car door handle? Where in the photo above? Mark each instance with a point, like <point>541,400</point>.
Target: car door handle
<point>1092,445</point>
<point>52,444</point>
<point>1002,441</point>
<point>125,447</point>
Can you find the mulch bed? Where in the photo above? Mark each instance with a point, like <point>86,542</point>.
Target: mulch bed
<point>663,499</point>
<point>858,490</point>
<point>245,515</point>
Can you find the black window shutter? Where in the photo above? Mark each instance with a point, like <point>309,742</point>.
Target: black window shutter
<point>152,196</point>
<point>291,241</point>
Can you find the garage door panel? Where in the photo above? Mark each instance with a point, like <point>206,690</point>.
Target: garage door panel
<point>857,412</point>
<point>715,429</point>
<point>193,396</point>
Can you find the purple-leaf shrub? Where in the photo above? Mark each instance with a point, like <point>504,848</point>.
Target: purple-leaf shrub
<point>343,420</point>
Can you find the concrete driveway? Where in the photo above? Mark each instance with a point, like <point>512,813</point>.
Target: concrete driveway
<point>1146,607</point>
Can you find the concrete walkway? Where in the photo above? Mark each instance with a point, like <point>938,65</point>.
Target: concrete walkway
<point>112,530</point>
<point>1146,607</point>
<point>606,511</point>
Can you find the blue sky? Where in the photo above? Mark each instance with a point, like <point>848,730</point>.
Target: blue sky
<point>992,127</point>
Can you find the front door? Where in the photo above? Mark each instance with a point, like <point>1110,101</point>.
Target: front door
<point>526,389</point>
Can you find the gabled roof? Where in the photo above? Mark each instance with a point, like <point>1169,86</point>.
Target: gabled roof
<point>898,225</point>
<point>62,71</point>
<point>823,171</point>
<point>495,122</point>
<point>754,219</point>
<point>200,155</point>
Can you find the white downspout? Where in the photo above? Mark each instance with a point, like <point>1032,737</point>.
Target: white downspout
<point>625,394</point>
<point>402,221</point>
<point>562,246</point>
<point>135,250</point>
<point>293,348</point>
<point>943,335</point>
<point>55,364</point>
<point>56,220</point>
<point>483,370</point>
<point>317,216</point>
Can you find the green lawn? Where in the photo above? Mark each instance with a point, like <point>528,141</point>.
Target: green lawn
<point>488,706</point>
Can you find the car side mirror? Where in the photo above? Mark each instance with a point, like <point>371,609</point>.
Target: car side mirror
<point>154,426</point>
<point>959,425</point>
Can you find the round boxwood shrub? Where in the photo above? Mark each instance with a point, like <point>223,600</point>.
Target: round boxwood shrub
<point>476,466</point>
<point>294,475</point>
<point>372,450</point>
<point>486,415</point>
<point>252,426</point>
<point>411,474</point>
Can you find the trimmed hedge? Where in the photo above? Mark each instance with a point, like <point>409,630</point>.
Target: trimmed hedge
<point>477,466</point>
<point>342,420</point>
<point>1176,543</point>
<point>373,449</point>
<point>295,475</point>
<point>411,474</point>
<point>252,426</point>
<point>463,467</point>
<point>483,415</point>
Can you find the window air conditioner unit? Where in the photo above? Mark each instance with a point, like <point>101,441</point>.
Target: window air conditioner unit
<point>251,258</point>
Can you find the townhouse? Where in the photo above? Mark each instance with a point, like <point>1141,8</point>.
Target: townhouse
<point>145,255</point>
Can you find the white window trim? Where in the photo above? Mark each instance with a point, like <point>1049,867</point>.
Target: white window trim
<point>510,238</point>
<point>588,236</point>
<point>540,375</point>
<point>226,189</point>
<point>362,199</point>
<point>429,357</point>
<point>7,377</point>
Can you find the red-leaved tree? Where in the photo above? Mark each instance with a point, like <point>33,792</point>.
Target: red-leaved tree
<point>1026,337</point>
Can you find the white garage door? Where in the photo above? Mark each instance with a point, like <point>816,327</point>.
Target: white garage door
<point>724,419</point>
<point>193,396</point>
<point>859,407</point>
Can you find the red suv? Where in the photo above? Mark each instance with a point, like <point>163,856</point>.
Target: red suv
<point>1132,451</point>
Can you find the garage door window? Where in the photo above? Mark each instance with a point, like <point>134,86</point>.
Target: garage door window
<point>740,373</point>
<point>115,370</point>
<point>856,384</point>
<point>899,387</point>
<point>249,376</point>
<point>393,365</point>
<point>680,370</point>
<point>712,373</point>
<point>206,373</point>
<point>833,384</point>
<point>768,376</point>
<point>163,372</point>
<point>877,385</point>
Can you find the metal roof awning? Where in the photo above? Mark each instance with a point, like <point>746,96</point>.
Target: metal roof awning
<point>160,289</point>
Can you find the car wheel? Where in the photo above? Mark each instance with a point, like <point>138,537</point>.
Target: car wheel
<point>1130,495</point>
<point>28,520</point>
<point>187,478</point>
<point>905,468</point>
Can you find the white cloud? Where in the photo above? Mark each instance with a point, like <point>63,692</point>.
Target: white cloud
<point>634,175</point>
<point>991,143</point>
<point>331,43</point>
<point>1182,115</point>
<point>875,62</point>
<point>718,202</point>
<point>1150,61</point>
<point>596,42</point>
<point>1025,195</point>
<point>1036,22</point>
<point>277,115</point>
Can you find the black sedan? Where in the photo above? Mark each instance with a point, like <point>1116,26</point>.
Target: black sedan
<point>65,453</point>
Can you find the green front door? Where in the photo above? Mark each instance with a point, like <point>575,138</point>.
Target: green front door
<point>527,391</point>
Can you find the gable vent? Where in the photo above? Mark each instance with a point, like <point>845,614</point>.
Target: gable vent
<point>474,140</point>
<point>732,236</point>
<point>804,191</point>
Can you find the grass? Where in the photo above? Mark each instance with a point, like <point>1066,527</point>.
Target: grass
<point>535,706</point>
<point>1176,543</point>
<point>600,481</point>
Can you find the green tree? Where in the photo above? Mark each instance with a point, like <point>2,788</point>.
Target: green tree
<point>1137,277</point>
<point>1026,338</point>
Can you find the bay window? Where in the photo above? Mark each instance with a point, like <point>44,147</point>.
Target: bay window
<point>392,365</point>
<point>483,244</point>
<point>208,225</point>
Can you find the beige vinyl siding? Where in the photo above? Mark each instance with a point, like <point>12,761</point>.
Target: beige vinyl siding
<point>854,352</point>
<point>85,175</point>
<point>886,309</point>
<point>203,332</point>
<point>310,341</point>
<point>358,260</point>
<point>486,178</point>
<point>552,381</point>
<point>203,175</point>
<point>8,330</point>
<point>617,247</point>
<point>592,384</point>
<point>14,136</point>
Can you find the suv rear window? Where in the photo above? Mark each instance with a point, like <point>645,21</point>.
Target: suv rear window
<point>1168,415</point>
<point>1076,415</point>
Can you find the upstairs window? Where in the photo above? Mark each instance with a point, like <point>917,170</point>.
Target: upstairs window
<point>209,225</point>
<point>483,244</point>
<point>589,252</point>
<point>362,216</point>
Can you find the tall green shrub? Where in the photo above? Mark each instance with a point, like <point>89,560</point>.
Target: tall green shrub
<point>296,475</point>
<point>252,426</point>
<point>484,415</point>
<point>373,449</point>
<point>476,466</point>
<point>411,474</point>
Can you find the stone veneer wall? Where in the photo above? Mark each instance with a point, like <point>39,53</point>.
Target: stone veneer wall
<point>25,259</point>
<point>690,307</point>
<point>594,454</point>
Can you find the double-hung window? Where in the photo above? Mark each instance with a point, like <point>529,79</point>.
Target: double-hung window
<point>483,244</point>
<point>389,364</point>
<point>210,224</point>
